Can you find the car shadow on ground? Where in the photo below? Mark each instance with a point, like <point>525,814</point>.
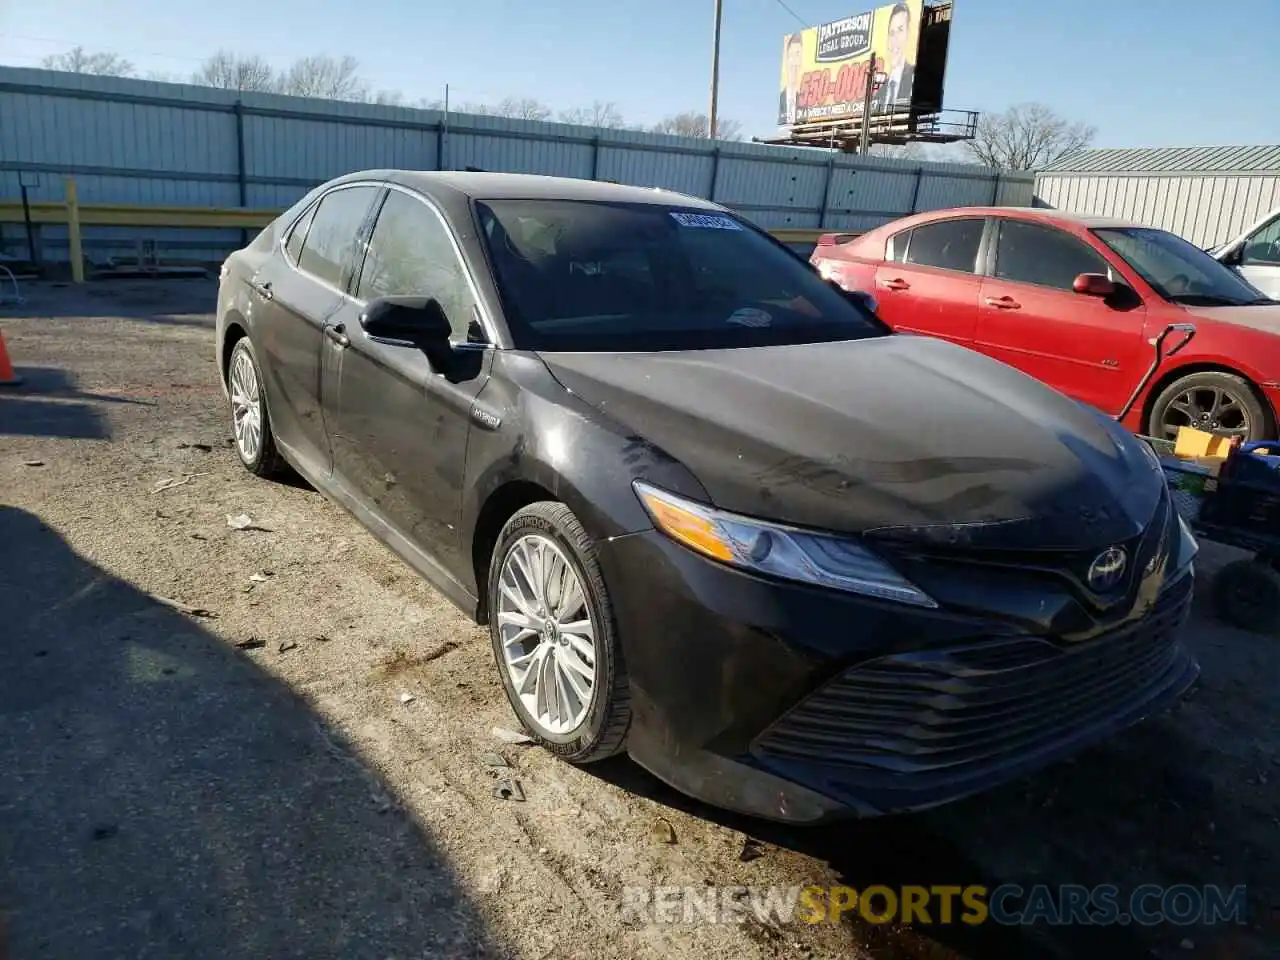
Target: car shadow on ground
<point>47,403</point>
<point>164,796</point>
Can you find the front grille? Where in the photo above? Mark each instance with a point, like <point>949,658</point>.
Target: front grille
<point>972,706</point>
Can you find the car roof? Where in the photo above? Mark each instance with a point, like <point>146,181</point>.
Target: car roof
<point>1034,213</point>
<point>527,186</point>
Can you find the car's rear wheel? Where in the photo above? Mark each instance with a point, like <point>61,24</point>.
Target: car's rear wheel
<point>251,424</point>
<point>554,637</point>
<point>1221,403</point>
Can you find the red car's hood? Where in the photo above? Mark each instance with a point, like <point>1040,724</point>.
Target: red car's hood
<point>1266,318</point>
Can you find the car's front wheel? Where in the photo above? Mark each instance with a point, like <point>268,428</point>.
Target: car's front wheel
<point>1212,401</point>
<point>250,422</point>
<point>554,638</point>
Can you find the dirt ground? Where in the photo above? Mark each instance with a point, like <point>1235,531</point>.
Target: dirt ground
<point>271,742</point>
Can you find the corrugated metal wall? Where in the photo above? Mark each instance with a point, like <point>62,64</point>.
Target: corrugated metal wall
<point>1205,209</point>
<point>133,141</point>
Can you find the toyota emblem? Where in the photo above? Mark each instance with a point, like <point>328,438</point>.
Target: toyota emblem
<point>1107,570</point>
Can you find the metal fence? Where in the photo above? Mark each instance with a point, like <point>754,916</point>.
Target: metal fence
<point>139,142</point>
<point>1206,209</point>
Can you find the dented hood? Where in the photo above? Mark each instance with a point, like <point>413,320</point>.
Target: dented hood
<point>897,436</point>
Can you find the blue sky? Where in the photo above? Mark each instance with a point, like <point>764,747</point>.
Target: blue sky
<point>1144,72</point>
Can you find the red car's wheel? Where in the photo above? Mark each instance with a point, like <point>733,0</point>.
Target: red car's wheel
<point>1221,403</point>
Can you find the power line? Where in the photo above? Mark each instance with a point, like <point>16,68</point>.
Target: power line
<point>88,48</point>
<point>801,20</point>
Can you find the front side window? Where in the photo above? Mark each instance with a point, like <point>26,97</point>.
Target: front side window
<point>1179,271</point>
<point>1263,246</point>
<point>1046,256</point>
<point>950,244</point>
<point>331,240</point>
<point>411,255</point>
<point>578,275</point>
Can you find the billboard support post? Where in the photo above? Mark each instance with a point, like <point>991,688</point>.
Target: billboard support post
<point>864,142</point>
<point>715,77</point>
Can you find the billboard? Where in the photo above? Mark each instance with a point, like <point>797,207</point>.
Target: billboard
<point>825,69</point>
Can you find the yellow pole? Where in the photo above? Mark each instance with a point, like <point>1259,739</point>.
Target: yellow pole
<point>73,232</point>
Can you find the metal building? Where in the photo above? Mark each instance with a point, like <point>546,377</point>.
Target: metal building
<point>155,144</point>
<point>1206,194</point>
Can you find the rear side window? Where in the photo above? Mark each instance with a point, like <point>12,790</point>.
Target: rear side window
<point>335,228</point>
<point>298,234</point>
<point>1031,253</point>
<point>896,247</point>
<point>951,244</point>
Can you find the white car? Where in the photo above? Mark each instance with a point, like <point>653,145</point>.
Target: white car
<point>1255,254</point>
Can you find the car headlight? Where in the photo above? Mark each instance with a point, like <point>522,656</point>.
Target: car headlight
<point>777,550</point>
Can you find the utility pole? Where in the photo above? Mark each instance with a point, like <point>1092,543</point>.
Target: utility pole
<point>864,145</point>
<point>715,76</point>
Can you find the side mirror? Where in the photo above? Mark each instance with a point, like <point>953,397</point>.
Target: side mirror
<point>411,322</point>
<point>1093,285</point>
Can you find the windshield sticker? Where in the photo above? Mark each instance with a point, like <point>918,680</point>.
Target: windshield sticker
<point>751,317</point>
<point>706,221</point>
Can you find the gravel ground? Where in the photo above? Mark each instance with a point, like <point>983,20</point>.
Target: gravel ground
<point>271,742</point>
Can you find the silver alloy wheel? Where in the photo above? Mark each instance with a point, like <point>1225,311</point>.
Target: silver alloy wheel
<point>246,406</point>
<point>548,637</point>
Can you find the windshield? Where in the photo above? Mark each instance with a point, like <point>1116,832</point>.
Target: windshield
<point>1180,271</point>
<point>587,276</point>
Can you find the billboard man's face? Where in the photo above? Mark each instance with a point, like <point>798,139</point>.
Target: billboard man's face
<point>794,57</point>
<point>898,27</point>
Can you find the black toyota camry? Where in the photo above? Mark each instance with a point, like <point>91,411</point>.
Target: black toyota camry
<point>714,513</point>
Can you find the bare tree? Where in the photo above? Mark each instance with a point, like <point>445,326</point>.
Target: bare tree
<point>692,124</point>
<point>899,151</point>
<point>79,60</point>
<point>228,71</point>
<point>325,78</point>
<point>521,108</point>
<point>1025,137</point>
<point>603,115</point>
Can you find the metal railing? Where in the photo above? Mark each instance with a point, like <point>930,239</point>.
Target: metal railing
<point>74,215</point>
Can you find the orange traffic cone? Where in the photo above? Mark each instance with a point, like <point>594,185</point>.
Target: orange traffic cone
<point>7,377</point>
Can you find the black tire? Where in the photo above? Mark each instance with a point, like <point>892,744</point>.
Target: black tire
<point>1245,406</point>
<point>268,462</point>
<point>1246,594</point>
<point>603,731</point>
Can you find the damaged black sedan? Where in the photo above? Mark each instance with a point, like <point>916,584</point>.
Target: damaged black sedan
<point>714,513</point>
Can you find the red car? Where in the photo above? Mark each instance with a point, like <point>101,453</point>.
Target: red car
<point>1076,302</point>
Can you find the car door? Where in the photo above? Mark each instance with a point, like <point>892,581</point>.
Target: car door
<point>1259,259</point>
<point>1091,348</point>
<point>400,427</point>
<point>297,291</point>
<point>928,282</point>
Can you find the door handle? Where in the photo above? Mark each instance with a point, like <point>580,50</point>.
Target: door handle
<point>263,289</point>
<point>1003,303</point>
<point>337,334</point>
<point>897,283</point>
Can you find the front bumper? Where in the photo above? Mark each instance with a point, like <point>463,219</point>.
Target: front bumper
<point>801,704</point>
